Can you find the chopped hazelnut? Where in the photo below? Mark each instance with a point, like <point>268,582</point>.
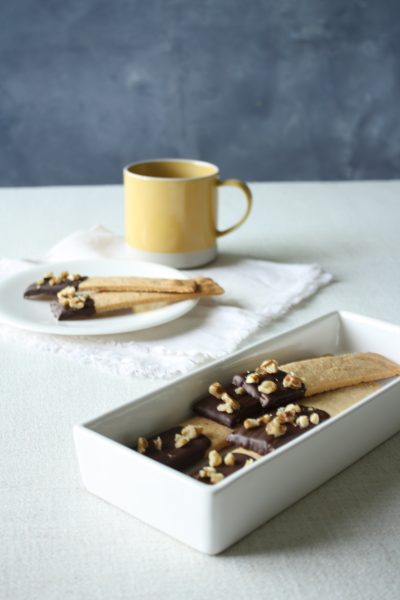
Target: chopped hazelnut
<point>191,431</point>
<point>214,458</point>
<point>269,366</point>
<point>67,292</point>
<point>275,428</point>
<point>77,302</point>
<point>227,399</point>
<point>157,443</point>
<point>240,391</point>
<point>228,405</point>
<point>253,378</point>
<point>229,459</point>
<point>292,408</point>
<point>265,419</point>
<point>48,275</point>
<point>206,471</point>
<point>251,423</point>
<point>248,462</point>
<point>142,445</point>
<point>291,381</point>
<point>216,477</point>
<point>314,418</point>
<point>302,421</point>
<point>180,440</point>
<point>216,390</point>
<point>267,387</point>
<point>40,282</point>
<point>63,275</point>
<point>224,407</point>
<point>284,417</point>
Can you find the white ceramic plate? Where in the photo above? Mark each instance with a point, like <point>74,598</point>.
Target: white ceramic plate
<point>36,315</point>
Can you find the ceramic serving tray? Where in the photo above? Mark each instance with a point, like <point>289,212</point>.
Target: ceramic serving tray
<point>211,518</point>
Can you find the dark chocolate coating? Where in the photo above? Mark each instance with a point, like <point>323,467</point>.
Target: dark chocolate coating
<point>249,407</point>
<point>280,397</point>
<point>177,458</point>
<point>35,290</point>
<point>259,441</point>
<point>226,470</point>
<point>66,313</point>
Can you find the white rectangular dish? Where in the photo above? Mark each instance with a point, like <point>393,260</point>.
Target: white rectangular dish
<point>211,518</point>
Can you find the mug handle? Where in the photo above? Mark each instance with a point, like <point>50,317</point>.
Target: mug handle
<point>249,199</point>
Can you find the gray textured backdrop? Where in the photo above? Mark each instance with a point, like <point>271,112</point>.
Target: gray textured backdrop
<point>267,89</point>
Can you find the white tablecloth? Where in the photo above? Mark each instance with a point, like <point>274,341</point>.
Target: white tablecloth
<point>57,541</point>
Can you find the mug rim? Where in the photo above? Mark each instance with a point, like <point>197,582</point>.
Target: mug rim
<point>182,160</point>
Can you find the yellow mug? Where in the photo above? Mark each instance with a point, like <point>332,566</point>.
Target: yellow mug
<point>171,211</point>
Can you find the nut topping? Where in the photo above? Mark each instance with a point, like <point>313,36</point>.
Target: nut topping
<point>67,292</point>
<point>228,405</point>
<point>142,445</point>
<point>48,275</point>
<point>303,421</point>
<point>216,390</point>
<point>228,400</point>
<point>267,387</point>
<point>191,431</point>
<point>225,408</point>
<point>240,391</point>
<point>268,366</point>
<point>264,419</point>
<point>181,440</point>
<point>275,428</point>
<point>157,443</point>
<point>253,378</point>
<point>216,477</point>
<point>291,381</point>
<point>314,418</point>
<point>229,459</point>
<point>214,458</point>
<point>69,298</point>
<point>251,423</point>
<point>248,462</point>
<point>206,471</point>
<point>292,408</point>
<point>76,302</point>
<point>285,417</point>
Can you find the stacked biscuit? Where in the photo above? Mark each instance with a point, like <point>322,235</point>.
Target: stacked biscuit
<point>262,409</point>
<point>82,297</point>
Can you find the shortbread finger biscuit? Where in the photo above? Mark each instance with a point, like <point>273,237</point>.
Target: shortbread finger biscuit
<point>137,284</point>
<point>215,432</point>
<point>70,305</point>
<point>336,401</point>
<point>208,287</point>
<point>332,372</point>
<point>50,284</point>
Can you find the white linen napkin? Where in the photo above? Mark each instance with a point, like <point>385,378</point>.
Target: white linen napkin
<point>256,291</point>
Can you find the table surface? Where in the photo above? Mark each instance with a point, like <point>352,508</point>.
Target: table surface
<point>58,541</point>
